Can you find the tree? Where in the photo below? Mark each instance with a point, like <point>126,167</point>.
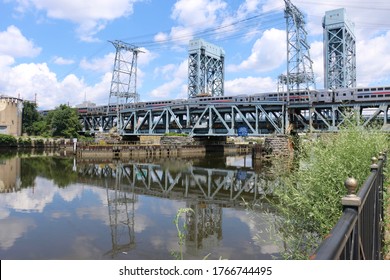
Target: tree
<point>64,121</point>
<point>30,115</point>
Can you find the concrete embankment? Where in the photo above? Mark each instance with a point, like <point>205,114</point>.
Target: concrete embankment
<point>180,147</point>
<point>136,151</point>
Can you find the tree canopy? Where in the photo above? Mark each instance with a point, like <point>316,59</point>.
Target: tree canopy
<point>30,116</point>
<point>60,122</point>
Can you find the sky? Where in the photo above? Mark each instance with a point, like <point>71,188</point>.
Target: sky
<point>59,51</point>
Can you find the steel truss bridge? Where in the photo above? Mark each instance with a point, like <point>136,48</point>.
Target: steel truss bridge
<point>237,118</point>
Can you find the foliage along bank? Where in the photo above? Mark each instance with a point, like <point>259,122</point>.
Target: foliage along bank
<point>309,200</point>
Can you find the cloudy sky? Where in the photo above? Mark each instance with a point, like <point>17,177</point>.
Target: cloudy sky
<point>59,51</point>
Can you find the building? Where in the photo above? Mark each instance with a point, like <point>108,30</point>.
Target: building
<point>11,109</point>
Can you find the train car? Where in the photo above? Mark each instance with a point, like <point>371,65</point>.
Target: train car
<point>372,94</point>
<point>344,95</point>
<point>322,96</point>
<point>82,110</point>
<point>258,97</point>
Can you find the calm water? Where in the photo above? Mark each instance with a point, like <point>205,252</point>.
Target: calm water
<point>59,208</point>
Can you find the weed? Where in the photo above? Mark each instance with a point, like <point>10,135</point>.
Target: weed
<point>181,231</point>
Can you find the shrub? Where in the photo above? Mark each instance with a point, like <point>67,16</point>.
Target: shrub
<point>7,141</point>
<point>309,202</point>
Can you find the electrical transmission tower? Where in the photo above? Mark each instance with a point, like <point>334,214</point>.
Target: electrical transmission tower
<point>299,64</point>
<point>124,76</point>
<point>205,69</point>
<point>339,50</point>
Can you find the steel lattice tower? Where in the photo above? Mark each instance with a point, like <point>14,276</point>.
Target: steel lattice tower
<point>205,69</point>
<point>339,50</point>
<point>299,64</point>
<point>124,75</point>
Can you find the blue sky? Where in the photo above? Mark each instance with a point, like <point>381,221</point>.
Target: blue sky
<point>58,50</point>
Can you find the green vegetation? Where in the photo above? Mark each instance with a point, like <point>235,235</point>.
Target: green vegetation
<point>176,134</point>
<point>181,231</point>
<point>30,116</point>
<point>60,122</point>
<point>386,220</point>
<point>8,141</point>
<point>309,200</point>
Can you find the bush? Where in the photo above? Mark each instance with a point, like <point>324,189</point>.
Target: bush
<point>309,203</point>
<point>7,141</point>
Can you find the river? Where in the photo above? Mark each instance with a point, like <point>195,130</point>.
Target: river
<point>55,207</point>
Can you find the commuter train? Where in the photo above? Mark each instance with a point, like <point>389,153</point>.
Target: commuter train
<point>345,95</point>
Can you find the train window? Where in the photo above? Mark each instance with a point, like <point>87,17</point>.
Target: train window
<point>360,96</point>
<point>321,95</point>
<point>387,88</point>
<point>344,94</point>
<point>366,89</point>
<point>359,90</point>
<point>380,95</point>
<point>366,96</point>
<point>380,88</point>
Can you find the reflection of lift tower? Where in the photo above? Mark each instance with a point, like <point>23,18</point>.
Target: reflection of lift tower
<point>205,69</point>
<point>124,75</point>
<point>121,215</point>
<point>300,74</point>
<point>204,226</point>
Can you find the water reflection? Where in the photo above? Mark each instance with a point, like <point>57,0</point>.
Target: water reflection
<point>60,208</point>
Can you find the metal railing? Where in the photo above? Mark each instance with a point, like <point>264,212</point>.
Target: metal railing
<point>358,235</point>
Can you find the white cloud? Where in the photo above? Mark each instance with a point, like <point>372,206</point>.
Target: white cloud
<point>161,37</point>
<point>13,229</point>
<point>267,53</point>
<point>193,15</point>
<point>177,85</point>
<point>103,64</point>
<point>374,65</point>
<point>14,44</point>
<point>316,54</point>
<point>30,79</point>
<point>91,16</point>
<point>249,85</point>
<point>63,61</point>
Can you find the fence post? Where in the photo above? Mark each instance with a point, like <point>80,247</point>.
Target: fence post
<point>352,201</point>
<point>374,164</point>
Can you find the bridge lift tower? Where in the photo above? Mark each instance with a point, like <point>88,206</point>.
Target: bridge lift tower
<point>339,50</point>
<point>124,76</point>
<point>205,69</point>
<point>300,73</point>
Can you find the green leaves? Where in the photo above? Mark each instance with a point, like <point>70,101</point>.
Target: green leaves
<point>310,202</point>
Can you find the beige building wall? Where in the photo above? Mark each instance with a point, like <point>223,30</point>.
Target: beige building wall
<point>11,116</point>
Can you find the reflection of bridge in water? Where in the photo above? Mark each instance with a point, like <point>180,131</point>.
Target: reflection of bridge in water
<point>206,191</point>
<point>187,182</point>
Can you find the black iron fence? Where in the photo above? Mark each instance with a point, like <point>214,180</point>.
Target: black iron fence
<point>358,235</point>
